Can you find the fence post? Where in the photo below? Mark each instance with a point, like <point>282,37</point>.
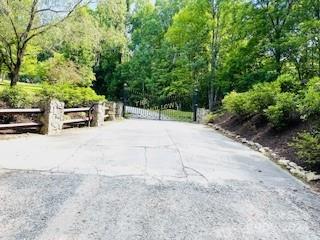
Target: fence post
<point>195,101</point>
<point>98,114</point>
<point>160,108</point>
<point>53,117</point>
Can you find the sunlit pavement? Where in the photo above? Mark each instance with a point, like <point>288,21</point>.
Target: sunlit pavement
<point>138,179</point>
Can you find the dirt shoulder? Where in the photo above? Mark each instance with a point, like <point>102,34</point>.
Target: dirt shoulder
<point>256,129</point>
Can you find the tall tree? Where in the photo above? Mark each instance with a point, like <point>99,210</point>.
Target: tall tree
<point>276,21</point>
<point>112,17</point>
<point>22,21</point>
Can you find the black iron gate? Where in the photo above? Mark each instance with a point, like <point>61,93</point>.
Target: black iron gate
<point>172,108</point>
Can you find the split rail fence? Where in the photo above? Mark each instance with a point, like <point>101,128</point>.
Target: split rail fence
<point>53,117</point>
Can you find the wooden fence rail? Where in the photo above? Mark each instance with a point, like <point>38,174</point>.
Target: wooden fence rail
<point>19,125</point>
<point>87,119</point>
<point>18,110</point>
<point>74,110</point>
<point>21,111</point>
<point>54,113</point>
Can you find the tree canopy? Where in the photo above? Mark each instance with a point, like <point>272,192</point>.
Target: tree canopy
<point>161,48</point>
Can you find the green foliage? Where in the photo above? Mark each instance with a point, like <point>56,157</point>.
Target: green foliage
<point>307,146</point>
<point>164,48</point>
<point>25,22</point>
<point>262,96</point>
<point>178,115</point>
<point>279,101</point>
<point>238,103</point>
<point>16,97</point>
<point>112,17</point>
<point>288,83</point>
<point>284,111</point>
<point>255,101</point>
<point>310,104</point>
<point>59,70</point>
<point>72,96</point>
<point>211,117</point>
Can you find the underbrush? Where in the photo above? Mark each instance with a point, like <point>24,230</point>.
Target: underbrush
<point>16,97</point>
<point>307,147</point>
<point>282,104</point>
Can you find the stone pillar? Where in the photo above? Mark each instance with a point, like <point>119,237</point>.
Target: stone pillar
<point>53,117</point>
<point>112,110</point>
<point>119,110</point>
<point>98,114</point>
<point>202,114</point>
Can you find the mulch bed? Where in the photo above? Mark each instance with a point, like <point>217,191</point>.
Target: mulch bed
<point>258,130</point>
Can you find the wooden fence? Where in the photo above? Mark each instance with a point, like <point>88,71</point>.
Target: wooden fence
<point>47,116</point>
<point>21,111</point>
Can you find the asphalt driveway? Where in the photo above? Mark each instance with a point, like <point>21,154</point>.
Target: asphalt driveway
<point>138,179</point>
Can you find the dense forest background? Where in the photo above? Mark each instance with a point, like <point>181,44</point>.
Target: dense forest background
<point>172,47</point>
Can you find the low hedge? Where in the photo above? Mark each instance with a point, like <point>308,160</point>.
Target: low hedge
<point>281,101</point>
<point>20,97</point>
<point>70,95</point>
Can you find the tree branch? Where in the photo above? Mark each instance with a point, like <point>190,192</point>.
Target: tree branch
<point>7,48</point>
<point>47,27</point>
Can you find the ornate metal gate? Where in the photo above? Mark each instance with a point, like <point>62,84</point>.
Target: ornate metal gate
<point>173,108</point>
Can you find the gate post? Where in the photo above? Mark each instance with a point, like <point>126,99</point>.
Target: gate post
<point>160,111</point>
<point>195,104</point>
<point>125,99</point>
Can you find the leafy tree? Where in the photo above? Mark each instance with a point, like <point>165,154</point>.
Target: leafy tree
<point>191,47</point>
<point>112,19</point>
<point>22,21</point>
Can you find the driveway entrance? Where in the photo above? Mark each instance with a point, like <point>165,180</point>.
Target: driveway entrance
<point>139,179</point>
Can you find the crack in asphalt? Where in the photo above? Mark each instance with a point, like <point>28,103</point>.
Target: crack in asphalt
<point>74,153</point>
<point>155,192</point>
<point>198,172</point>
<point>184,167</point>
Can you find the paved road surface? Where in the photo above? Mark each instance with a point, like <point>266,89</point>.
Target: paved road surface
<point>141,179</point>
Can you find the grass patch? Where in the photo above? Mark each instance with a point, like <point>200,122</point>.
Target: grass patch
<point>29,87</point>
<point>177,115</point>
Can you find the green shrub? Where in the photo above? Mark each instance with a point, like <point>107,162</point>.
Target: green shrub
<point>70,95</point>
<point>237,103</point>
<point>288,83</point>
<point>211,117</point>
<point>16,97</point>
<point>307,146</point>
<point>310,104</point>
<point>59,70</point>
<point>284,111</point>
<point>262,96</point>
<point>255,101</point>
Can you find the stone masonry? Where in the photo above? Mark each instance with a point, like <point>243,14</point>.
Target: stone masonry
<point>202,113</point>
<point>53,117</point>
<point>98,114</point>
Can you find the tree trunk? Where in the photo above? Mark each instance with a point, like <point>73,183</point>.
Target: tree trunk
<point>278,62</point>
<point>211,98</point>
<point>14,76</point>
<point>214,53</point>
